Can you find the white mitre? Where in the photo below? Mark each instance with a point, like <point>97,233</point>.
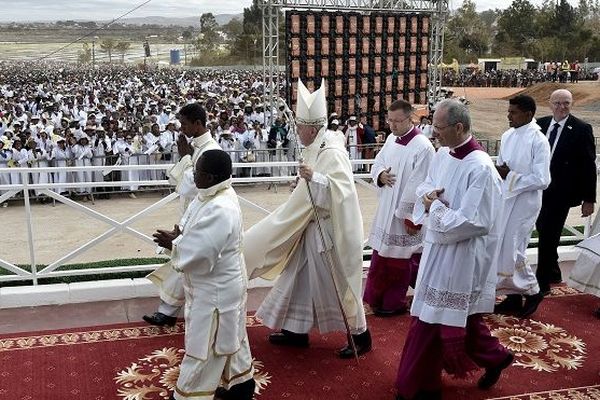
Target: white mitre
<point>311,108</point>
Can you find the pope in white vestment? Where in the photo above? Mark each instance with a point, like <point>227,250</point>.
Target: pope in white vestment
<point>181,175</point>
<point>287,244</point>
<point>208,252</point>
<point>524,163</point>
<point>456,283</point>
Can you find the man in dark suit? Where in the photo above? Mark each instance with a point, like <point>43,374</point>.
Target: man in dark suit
<point>573,174</point>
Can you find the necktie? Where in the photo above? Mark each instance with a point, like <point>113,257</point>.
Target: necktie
<point>552,137</point>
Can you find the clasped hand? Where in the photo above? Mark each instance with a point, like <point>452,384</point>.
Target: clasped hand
<point>429,198</point>
<point>503,170</point>
<point>183,147</point>
<point>165,238</point>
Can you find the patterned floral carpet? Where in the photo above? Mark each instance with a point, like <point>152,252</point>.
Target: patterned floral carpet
<point>557,357</point>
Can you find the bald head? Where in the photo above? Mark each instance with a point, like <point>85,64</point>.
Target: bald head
<point>561,101</point>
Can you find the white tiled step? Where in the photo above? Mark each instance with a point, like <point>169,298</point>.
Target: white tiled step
<point>120,289</point>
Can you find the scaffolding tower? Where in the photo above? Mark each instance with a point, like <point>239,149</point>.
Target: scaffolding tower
<point>437,9</point>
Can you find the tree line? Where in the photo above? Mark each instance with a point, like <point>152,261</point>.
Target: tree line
<point>554,31</point>
<point>236,42</point>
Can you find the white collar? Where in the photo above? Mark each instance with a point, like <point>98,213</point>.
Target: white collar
<point>200,140</point>
<point>562,122</point>
<point>531,124</point>
<point>206,194</point>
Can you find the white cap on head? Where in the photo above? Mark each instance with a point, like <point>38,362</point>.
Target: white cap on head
<point>335,122</point>
<point>352,118</point>
<point>57,138</point>
<point>311,108</point>
<point>5,141</point>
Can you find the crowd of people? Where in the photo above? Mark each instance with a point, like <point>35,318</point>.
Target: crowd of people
<point>548,72</point>
<point>69,115</point>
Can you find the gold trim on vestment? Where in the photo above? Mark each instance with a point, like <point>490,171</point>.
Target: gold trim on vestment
<point>192,394</point>
<point>246,372</point>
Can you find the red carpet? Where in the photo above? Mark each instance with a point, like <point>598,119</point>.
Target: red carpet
<point>557,357</point>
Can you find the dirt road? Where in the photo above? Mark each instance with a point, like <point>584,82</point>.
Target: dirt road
<point>61,229</point>
<point>489,105</point>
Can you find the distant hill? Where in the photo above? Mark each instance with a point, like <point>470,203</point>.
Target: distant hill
<point>183,21</point>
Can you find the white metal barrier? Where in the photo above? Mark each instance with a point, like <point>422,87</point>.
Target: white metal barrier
<point>52,270</point>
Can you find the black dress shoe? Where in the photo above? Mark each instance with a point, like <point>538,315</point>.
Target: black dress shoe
<point>511,304</point>
<point>389,313</point>
<point>423,395</point>
<point>241,391</point>
<point>429,395</point>
<point>220,393</point>
<point>160,319</point>
<point>492,375</point>
<point>362,343</point>
<point>288,338</point>
<point>531,305</point>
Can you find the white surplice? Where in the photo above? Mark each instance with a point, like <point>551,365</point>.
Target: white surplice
<point>410,164</point>
<point>5,157</point>
<point>352,139</point>
<point>61,158</point>
<point>456,278</point>
<point>83,158</point>
<point>129,155</point>
<point>526,151</point>
<point>39,159</point>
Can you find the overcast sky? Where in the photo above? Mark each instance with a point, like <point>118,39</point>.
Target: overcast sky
<point>52,10</point>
